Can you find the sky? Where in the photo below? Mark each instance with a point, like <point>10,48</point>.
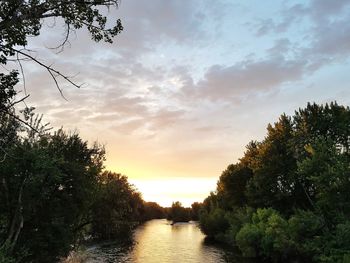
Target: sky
<point>189,83</point>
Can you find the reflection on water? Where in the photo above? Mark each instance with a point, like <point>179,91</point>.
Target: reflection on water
<point>159,242</point>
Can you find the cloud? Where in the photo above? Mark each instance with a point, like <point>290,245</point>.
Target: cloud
<point>226,83</point>
<point>179,93</point>
<point>323,10</point>
<point>165,118</point>
<point>129,127</point>
<point>333,39</point>
<point>320,12</point>
<point>289,15</point>
<point>288,60</point>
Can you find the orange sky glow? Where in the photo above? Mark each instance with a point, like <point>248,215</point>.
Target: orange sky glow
<point>175,103</point>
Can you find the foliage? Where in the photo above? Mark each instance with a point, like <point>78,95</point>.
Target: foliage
<point>152,210</point>
<point>54,194</point>
<point>195,210</point>
<point>52,187</point>
<point>266,236</point>
<point>178,213</point>
<point>232,184</point>
<point>5,257</point>
<point>288,197</point>
<point>274,167</point>
<point>236,220</point>
<point>47,184</point>
<point>327,170</point>
<point>214,223</point>
<point>22,19</point>
<point>116,208</point>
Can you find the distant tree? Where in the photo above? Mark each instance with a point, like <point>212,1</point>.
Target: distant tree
<point>178,213</point>
<point>152,210</point>
<point>196,208</point>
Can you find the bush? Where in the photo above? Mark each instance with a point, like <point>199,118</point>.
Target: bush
<point>214,223</point>
<point>248,240</point>
<point>178,213</point>
<point>4,257</point>
<point>237,219</point>
<point>267,236</point>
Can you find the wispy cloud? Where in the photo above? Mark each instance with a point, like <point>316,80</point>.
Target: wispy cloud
<point>189,83</point>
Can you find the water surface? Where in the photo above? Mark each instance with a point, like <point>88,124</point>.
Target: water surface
<point>157,241</point>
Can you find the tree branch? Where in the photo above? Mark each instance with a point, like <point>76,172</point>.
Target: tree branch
<point>18,119</point>
<point>51,70</point>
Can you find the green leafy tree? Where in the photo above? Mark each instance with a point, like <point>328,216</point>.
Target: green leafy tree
<point>47,185</point>
<point>266,236</point>
<point>116,209</point>
<point>214,223</point>
<point>327,170</point>
<point>272,184</point>
<point>47,182</point>
<point>287,199</point>
<point>231,187</point>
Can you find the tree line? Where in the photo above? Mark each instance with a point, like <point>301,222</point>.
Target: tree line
<point>288,198</point>
<point>55,193</point>
<point>53,184</point>
<point>54,190</point>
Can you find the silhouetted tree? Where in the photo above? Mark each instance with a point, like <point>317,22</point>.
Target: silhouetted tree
<point>115,210</point>
<point>178,213</point>
<point>21,19</point>
<point>152,210</point>
<point>47,187</point>
<point>231,187</point>
<point>196,208</point>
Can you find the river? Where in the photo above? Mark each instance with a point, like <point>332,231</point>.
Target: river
<point>157,241</point>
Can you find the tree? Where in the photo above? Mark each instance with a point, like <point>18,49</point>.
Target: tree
<point>288,198</point>
<point>47,185</point>
<point>330,120</point>
<point>178,213</point>
<point>152,210</point>
<point>20,19</point>
<point>47,181</point>
<point>272,183</point>
<point>23,18</point>
<point>116,207</point>
<point>327,170</point>
<point>231,187</point>
<point>195,210</point>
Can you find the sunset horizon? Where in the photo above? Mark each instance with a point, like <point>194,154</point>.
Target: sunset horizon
<point>164,130</point>
<point>183,102</point>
